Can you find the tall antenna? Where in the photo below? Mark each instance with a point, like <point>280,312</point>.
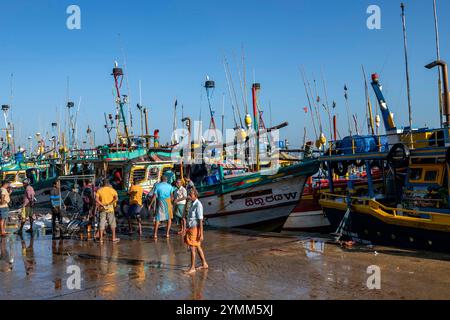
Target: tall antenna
<point>127,102</point>
<point>405,43</point>
<point>11,112</point>
<point>140,108</point>
<point>209,87</point>
<point>302,72</point>
<point>229,92</point>
<point>174,141</point>
<point>327,106</point>
<point>245,80</point>
<point>223,114</point>
<point>438,58</point>
<point>348,110</point>
<point>234,92</point>
<point>118,77</point>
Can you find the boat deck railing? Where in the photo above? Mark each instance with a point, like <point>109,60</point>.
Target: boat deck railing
<point>422,139</point>
<point>106,153</point>
<point>85,154</point>
<point>401,213</point>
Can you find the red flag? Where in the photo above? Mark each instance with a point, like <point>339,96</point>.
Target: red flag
<point>305,109</point>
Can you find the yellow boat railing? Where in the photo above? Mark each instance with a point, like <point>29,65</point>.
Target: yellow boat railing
<point>385,211</point>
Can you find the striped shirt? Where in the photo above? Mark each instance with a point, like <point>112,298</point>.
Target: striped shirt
<point>55,198</point>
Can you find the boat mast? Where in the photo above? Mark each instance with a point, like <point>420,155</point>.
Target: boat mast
<point>255,88</point>
<point>174,125</point>
<point>438,58</point>
<point>118,74</point>
<point>210,86</point>
<point>229,93</point>
<point>139,106</point>
<point>223,115</point>
<point>309,102</point>
<point>408,88</point>
<point>348,110</point>
<point>369,105</point>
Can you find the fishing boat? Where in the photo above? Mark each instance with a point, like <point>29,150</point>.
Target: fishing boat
<point>308,215</point>
<point>255,200</point>
<point>412,209</point>
<point>41,176</point>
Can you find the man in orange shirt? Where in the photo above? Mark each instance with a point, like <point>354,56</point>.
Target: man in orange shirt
<point>135,207</point>
<point>106,199</point>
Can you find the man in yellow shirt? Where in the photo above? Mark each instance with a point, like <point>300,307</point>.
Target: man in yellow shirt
<point>106,198</point>
<point>135,207</point>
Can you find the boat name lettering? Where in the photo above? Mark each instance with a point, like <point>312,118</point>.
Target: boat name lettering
<point>269,199</point>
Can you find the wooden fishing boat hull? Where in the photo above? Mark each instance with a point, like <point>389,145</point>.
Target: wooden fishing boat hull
<point>265,206</point>
<point>260,202</point>
<point>365,226</point>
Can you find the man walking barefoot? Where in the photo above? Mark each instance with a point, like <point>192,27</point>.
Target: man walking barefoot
<point>194,232</point>
<point>56,202</point>
<point>180,195</point>
<point>27,206</point>
<point>135,206</point>
<point>4,207</point>
<point>163,195</point>
<point>106,197</point>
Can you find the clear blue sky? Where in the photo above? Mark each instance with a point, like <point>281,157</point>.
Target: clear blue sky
<point>172,45</point>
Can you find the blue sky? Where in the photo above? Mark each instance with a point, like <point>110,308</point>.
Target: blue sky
<point>172,45</point>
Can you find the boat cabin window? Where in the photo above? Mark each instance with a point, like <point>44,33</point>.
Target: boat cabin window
<point>427,174</point>
<point>153,173</point>
<point>415,174</point>
<point>31,174</point>
<point>139,175</point>
<point>10,177</point>
<point>431,176</point>
<point>43,175</point>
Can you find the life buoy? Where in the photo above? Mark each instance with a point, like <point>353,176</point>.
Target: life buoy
<point>340,168</point>
<point>6,154</point>
<point>398,156</point>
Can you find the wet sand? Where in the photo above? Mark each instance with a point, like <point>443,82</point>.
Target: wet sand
<point>243,265</point>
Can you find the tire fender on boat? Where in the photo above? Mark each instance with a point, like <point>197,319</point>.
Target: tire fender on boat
<point>340,168</point>
<point>398,156</point>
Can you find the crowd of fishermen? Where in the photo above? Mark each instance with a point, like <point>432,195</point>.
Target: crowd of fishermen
<point>170,200</point>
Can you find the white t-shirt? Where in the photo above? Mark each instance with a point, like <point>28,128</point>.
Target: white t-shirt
<point>5,193</point>
<point>180,194</point>
<point>195,214</point>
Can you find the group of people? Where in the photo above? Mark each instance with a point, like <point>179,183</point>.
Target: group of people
<point>26,208</point>
<point>168,202</point>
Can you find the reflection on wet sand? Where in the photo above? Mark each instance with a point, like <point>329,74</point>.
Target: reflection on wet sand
<point>198,284</point>
<point>28,258</point>
<point>242,266</point>
<point>6,259</point>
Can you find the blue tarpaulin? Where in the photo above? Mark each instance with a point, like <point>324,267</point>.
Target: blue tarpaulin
<point>363,144</point>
